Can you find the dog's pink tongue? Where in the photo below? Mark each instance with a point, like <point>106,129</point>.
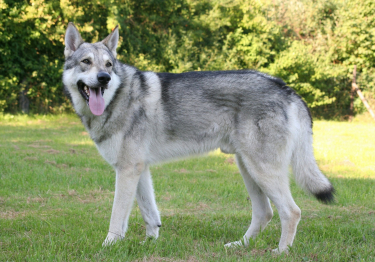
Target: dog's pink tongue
<point>96,101</point>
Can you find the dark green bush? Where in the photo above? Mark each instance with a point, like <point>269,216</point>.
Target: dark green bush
<point>311,45</point>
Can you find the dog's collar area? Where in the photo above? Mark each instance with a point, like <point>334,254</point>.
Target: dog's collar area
<point>85,90</point>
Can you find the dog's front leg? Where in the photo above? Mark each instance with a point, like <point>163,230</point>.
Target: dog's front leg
<point>126,187</point>
<point>147,204</point>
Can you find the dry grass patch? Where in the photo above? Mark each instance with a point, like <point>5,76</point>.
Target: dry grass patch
<point>52,151</point>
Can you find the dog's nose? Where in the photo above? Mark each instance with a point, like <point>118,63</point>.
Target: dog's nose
<point>103,78</point>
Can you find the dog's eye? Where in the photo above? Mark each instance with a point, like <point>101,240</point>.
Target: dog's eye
<point>86,61</point>
<point>108,64</point>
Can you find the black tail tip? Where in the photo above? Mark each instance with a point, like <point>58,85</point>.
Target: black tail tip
<point>326,196</point>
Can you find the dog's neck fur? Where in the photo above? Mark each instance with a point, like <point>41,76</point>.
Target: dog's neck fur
<point>132,89</point>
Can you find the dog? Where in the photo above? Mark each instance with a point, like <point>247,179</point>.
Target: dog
<point>140,118</point>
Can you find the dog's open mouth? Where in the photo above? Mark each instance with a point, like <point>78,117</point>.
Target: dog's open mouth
<point>93,96</point>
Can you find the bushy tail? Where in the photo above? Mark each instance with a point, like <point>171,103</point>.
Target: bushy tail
<point>305,169</point>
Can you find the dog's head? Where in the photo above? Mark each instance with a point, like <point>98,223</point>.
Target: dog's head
<point>89,71</point>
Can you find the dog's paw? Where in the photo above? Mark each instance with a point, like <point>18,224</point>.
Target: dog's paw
<point>278,251</point>
<point>240,243</point>
<point>234,244</point>
<point>148,239</point>
<point>152,231</point>
<point>111,239</point>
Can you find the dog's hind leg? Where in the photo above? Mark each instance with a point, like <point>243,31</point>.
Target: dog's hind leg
<point>272,179</point>
<point>261,208</point>
<point>265,150</point>
<point>147,204</point>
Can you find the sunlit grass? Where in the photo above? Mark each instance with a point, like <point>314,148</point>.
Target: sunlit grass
<point>56,196</point>
<point>345,149</point>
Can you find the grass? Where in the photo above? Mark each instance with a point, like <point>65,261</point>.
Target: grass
<point>56,196</point>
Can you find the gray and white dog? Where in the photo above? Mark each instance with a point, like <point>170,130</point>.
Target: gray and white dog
<point>139,118</point>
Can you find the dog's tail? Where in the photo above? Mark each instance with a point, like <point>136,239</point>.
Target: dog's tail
<point>305,169</point>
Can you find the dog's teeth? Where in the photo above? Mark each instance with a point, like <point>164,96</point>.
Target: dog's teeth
<point>86,90</point>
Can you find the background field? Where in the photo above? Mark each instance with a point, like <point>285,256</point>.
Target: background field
<point>56,195</point>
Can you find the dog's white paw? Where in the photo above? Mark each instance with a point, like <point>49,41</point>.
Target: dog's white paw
<point>152,231</point>
<point>240,243</point>
<point>147,240</point>
<point>278,251</point>
<point>111,239</point>
<point>234,244</point>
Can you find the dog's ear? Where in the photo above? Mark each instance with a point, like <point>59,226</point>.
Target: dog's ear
<point>111,40</point>
<point>73,40</point>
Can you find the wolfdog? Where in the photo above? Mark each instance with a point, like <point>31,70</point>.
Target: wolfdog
<point>140,118</point>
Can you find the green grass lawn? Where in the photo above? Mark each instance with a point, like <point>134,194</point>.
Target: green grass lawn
<point>56,196</point>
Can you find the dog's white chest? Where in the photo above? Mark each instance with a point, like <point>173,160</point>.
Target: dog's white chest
<point>110,148</point>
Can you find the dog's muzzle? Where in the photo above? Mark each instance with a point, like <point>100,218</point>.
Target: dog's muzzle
<point>94,94</point>
<point>103,78</point>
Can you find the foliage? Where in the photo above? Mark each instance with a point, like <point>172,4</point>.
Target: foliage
<point>312,45</point>
<point>28,58</point>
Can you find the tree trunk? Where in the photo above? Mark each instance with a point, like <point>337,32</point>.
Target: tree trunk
<point>24,101</point>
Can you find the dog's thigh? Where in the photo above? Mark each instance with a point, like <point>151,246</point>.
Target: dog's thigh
<point>147,204</point>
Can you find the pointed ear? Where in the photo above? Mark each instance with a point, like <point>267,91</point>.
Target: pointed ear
<point>111,41</point>
<point>72,40</point>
